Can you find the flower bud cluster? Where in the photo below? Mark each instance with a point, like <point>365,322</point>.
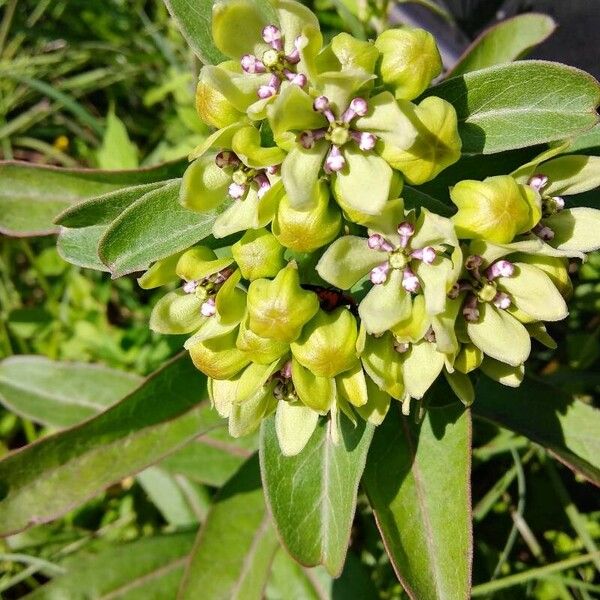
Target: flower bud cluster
<point>336,296</point>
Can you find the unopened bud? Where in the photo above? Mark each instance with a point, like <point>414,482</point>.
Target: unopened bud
<point>236,190</point>
<point>208,308</point>
<point>543,232</point>
<point>410,282</point>
<point>335,160</point>
<point>251,64</point>
<point>272,35</point>
<point>502,300</point>
<point>538,181</point>
<point>189,287</point>
<point>379,274</point>
<point>359,106</point>
<point>501,268</point>
<point>427,254</point>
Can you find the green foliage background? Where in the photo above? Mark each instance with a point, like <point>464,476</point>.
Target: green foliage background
<point>110,85</point>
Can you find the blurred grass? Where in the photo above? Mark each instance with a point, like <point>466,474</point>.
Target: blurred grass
<point>111,84</point>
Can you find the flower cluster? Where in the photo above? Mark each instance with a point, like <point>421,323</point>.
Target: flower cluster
<point>337,296</point>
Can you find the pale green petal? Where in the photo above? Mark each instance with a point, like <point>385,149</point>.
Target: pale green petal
<point>385,304</point>
<point>348,260</point>
<point>377,406</point>
<point>176,313</point>
<point>211,328</point>
<point>245,417</point>
<point>220,139</point>
<point>354,54</point>
<point>503,373</point>
<point>386,223</point>
<point>230,301</point>
<point>160,273</point>
<point>433,230</point>
<point>383,364</point>
<point>315,392</point>
<point>538,332</point>
<point>444,327</point>
<point>341,87</point>
<point>434,282</point>
<point>300,174</point>
<point>500,335</point>
<point>461,385</point>
<point>253,379</point>
<point>237,26</point>
<point>238,88</point>
<point>292,110</point>
<point>218,357</point>
<point>533,292</point>
<point>422,364</point>
<point>294,425</point>
<point>415,325</point>
<point>269,203</point>
<point>296,20</point>
<point>221,393</point>
<point>204,185</point>
<point>364,183</point>
<point>199,262</point>
<point>239,216</point>
<point>390,120</point>
<point>352,386</point>
<point>575,229</point>
<point>246,144</point>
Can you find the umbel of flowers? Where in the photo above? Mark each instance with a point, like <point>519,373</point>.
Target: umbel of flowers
<point>335,295</point>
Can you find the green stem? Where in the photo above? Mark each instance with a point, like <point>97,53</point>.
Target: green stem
<point>532,574</point>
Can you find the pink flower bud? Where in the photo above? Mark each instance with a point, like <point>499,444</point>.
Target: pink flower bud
<point>208,308</point>
<point>266,91</point>
<point>335,160</point>
<point>401,347</point>
<point>502,300</point>
<point>410,282</point>
<point>359,106</point>
<point>286,370</point>
<point>406,229</point>
<point>470,311</point>
<point>189,287</point>
<point>296,78</point>
<point>272,35</point>
<point>273,169</point>
<point>264,185</point>
<point>293,57</point>
<point>538,181</point>
<point>367,141</point>
<point>427,254</point>
<point>236,190</point>
<point>379,274</point>
<point>375,241</point>
<point>559,203</point>
<point>321,103</point>
<point>543,232</point>
<point>251,64</point>
<point>226,158</point>
<point>501,268</point>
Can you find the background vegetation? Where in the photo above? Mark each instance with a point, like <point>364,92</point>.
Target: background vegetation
<point>110,84</point>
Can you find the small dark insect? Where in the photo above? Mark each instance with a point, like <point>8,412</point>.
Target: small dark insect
<point>332,298</point>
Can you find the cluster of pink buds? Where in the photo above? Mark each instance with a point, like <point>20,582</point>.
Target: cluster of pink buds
<point>481,287</point>
<point>243,176</point>
<point>339,132</point>
<point>400,257</point>
<point>208,288</point>
<point>275,61</point>
<point>550,206</point>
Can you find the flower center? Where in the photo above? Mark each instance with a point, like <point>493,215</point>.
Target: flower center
<point>206,290</point>
<point>338,134</point>
<point>487,292</point>
<point>397,259</point>
<point>242,176</point>
<point>272,58</point>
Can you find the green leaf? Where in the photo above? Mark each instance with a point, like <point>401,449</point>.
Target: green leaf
<point>32,196</point>
<point>80,246</point>
<point>234,549</point>
<point>573,174</point>
<point>547,415</point>
<point>194,20</point>
<point>154,227</point>
<point>507,41</point>
<point>212,458</point>
<point>312,496</point>
<point>156,419</point>
<point>417,480</point>
<point>520,104</point>
<point>150,567</point>
<point>60,394</point>
<point>117,150</point>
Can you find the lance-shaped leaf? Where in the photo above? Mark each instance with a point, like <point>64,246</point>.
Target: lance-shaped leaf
<point>312,496</point>
<point>31,196</point>
<point>152,228</point>
<point>567,427</point>
<point>520,104</point>
<point>103,570</point>
<point>194,21</point>
<point>234,549</point>
<point>80,246</point>
<point>156,419</point>
<point>60,394</point>
<point>417,480</point>
<point>505,42</point>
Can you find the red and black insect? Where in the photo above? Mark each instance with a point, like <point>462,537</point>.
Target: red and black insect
<point>332,298</point>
